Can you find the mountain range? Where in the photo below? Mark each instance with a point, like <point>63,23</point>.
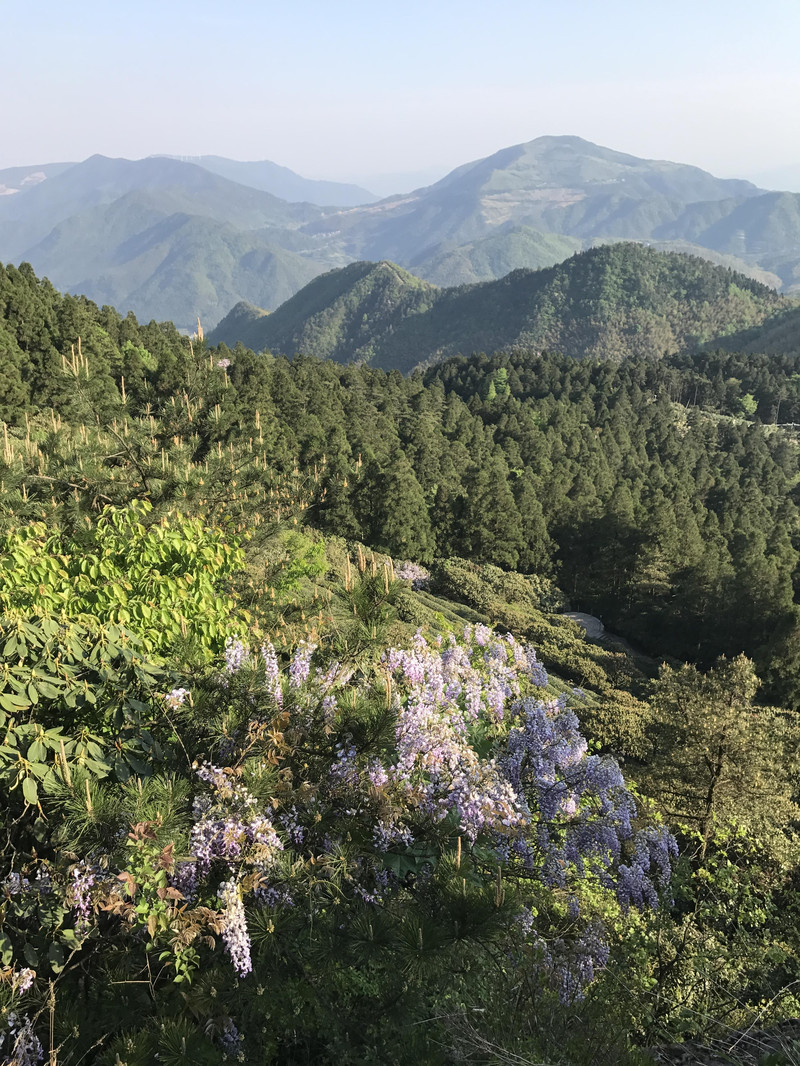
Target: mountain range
<point>611,302</point>
<point>171,238</point>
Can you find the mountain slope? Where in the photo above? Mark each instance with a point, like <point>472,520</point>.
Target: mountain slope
<point>559,185</point>
<point>177,267</point>
<point>512,248</point>
<point>243,322</point>
<point>343,315</point>
<point>165,239</point>
<point>611,302</point>
<point>108,225</point>
<point>777,335</point>
<point>101,181</point>
<point>282,182</point>
<point>17,180</point>
<point>764,230</point>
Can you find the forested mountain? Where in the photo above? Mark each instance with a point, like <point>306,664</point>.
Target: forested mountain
<point>763,230</point>
<point>676,524</point>
<point>163,238</point>
<point>179,266</point>
<point>115,229</point>
<point>559,185</point>
<point>350,315</point>
<point>301,760</point>
<point>778,335</point>
<point>100,181</point>
<point>612,302</point>
<point>509,248</point>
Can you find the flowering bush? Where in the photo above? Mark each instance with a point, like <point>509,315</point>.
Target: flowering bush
<point>416,574</point>
<point>342,820</point>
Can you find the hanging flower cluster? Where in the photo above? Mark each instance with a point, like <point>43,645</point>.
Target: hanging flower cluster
<point>480,748</point>
<point>363,780</point>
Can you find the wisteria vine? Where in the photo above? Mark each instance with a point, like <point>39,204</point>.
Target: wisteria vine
<point>482,754</point>
<point>480,745</point>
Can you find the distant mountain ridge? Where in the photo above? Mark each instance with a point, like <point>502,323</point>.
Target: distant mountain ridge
<point>16,180</point>
<point>611,302</point>
<point>167,237</point>
<point>282,182</point>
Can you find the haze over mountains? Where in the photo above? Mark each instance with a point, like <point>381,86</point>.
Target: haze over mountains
<point>174,239</point>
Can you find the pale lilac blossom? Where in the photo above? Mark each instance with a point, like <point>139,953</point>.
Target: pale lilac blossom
<point>234,933</point>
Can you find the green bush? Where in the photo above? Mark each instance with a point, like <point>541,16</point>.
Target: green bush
<point>166,582</point>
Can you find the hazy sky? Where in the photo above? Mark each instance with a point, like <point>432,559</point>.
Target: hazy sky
<point>352,89</point>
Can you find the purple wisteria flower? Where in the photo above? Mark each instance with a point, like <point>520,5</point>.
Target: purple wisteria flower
<point>301,663</point>
<point>237,655</point>
<point>272,672</point>
<point>292,826</point>
<point>543,798</point>
<point>229,825</point>
<point>478,748</point>
<point>81,893</point>
<point>20,1042</point>
<point>22,980</point>
<point>417,575</point>
<point>445,690</point>
<point>176,698</point>
<point>231,1041</point>
<point>15,884</point>
<point>234,933</point>
<point>654,847</point>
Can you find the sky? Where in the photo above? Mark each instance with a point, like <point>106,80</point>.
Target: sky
<point>371,91</point>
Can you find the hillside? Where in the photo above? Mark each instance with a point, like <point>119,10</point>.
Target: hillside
<point>764,230</point>
<point>289,700</point>
<point>562,185</point>
<point>525,207</point>
<point>612,302</point>
<point>348,315</point>
<point>512,248</point>
<point>283,182</point>
<point>179,266</point>
<point>116,230</point>
<point>778,335</point>
<point>15,181</point>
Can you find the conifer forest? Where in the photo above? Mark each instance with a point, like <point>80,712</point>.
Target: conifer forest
<point>304,758</point>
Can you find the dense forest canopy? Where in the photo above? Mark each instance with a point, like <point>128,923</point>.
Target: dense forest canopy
<point>654,491</point>
<point>234,774</point>
<point>611,302</point>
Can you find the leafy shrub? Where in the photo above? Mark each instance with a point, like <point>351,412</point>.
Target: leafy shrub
<point>480,583</point>
<point>165,582</point>
<point>351,835</point>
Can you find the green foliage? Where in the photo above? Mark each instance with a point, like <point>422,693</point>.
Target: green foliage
<point>227,242</point>
<point>611,302</point>
<point>720,760</point>
<point>638,488</point>
<point>479,584</point>
<point>724,959</point>
<point>164,582</point>
<point>73,701</point>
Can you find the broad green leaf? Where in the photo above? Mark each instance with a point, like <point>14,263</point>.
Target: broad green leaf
<point>6,950</point>
<point>55,956</point>
<point>30,791</point>
<point>37,752</point>
<point>10,702</point>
